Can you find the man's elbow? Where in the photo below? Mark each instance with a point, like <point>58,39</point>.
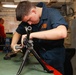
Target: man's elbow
<point>64,35</point>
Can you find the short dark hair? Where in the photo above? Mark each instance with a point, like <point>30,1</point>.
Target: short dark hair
<point>1,19</point>
<point>23,9</point>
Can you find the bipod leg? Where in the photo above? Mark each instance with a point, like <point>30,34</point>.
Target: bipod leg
<point>23,62</point>
<point>40,61</point>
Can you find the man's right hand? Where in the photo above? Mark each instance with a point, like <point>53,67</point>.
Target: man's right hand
<point>16,48</point>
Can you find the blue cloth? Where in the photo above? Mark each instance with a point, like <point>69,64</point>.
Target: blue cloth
<point>52,51</point>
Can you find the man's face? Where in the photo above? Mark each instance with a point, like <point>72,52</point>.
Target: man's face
<point>31,18</point>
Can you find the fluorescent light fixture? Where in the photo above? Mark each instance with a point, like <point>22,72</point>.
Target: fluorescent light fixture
<point>9,6</point>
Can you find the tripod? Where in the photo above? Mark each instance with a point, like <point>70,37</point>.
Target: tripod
<point>29,49</point>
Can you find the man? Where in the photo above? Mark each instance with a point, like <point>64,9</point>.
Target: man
<point>48,32</point>
<point>2,33</point>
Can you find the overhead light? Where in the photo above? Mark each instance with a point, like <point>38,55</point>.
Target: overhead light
<point>32,0</point>
<point>9,6</point>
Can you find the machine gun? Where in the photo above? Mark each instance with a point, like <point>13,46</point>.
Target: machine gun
<point>29,49</point>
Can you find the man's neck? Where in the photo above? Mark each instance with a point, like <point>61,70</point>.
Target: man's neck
<point>39,10</point>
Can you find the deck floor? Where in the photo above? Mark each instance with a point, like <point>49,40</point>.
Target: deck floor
<point>10,67</point>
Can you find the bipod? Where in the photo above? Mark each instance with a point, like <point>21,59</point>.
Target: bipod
<point>29,49</point>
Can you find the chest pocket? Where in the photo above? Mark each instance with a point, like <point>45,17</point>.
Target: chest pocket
<point>46,26</point>
<point>43,26</point>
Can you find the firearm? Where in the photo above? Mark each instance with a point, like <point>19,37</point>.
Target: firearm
<point>29,48</point>
<point>27,44</point>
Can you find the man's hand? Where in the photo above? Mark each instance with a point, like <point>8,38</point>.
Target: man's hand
<point>17,47</point>
<point>22,39</point>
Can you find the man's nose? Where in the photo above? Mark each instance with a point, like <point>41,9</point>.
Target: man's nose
<point>29,23</point>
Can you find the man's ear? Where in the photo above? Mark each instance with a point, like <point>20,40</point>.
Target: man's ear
<point>33,10</point>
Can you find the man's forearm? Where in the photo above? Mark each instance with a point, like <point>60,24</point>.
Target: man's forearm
<point>53,34</point>
<point>15,39</point>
